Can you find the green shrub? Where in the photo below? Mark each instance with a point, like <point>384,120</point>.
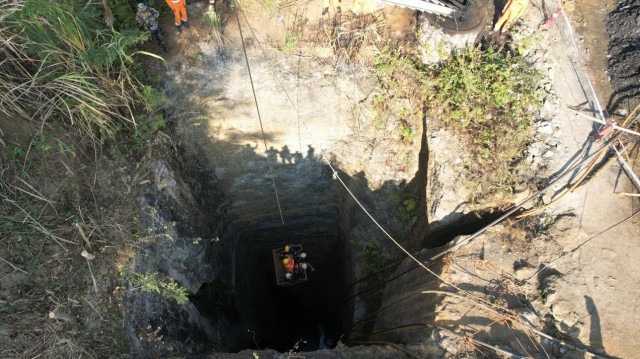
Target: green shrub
<point>478,87</point>
<point>167,288</point>
<point>406,131</point>
<point>290,41</point>
<point>488,97</point>
<point>407,211</point>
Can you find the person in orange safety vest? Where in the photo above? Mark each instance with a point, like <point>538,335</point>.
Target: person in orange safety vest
<point>288,263</point>
<point>179,13</point>
<point>512,11</point>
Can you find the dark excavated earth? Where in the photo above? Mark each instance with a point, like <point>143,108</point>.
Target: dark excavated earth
<point>623,25</point>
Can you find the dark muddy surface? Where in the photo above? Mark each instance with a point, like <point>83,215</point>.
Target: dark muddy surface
<point>623,25</point>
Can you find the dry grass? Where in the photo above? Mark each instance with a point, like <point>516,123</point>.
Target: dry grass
<point>349,38</point>
<point>44,214</point>
<point>67,85</point>
<point>58,64</point>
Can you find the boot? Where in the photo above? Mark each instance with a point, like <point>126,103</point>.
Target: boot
<point>179,27</point>
<point>339,10</point>
<point>325,11</point>
<point>185,23</point>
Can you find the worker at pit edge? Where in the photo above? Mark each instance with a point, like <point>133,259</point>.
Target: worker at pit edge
<point>228,3</point>
<point>147,17</point>
<point>336,3</point>
<point>511,12</point>
<point>179,13</point>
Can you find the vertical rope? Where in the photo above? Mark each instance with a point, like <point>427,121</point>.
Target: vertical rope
<point>255,99</point>
<point>298,103</point>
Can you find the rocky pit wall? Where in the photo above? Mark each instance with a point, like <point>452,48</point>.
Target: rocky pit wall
<point>179,226</point>
<point>307,109</point>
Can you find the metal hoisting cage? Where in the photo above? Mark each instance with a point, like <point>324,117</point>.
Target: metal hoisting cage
<point>279,268</point>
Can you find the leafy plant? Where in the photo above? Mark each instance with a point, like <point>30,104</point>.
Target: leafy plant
<point>406,131</point>
<point>487,97</point>
<point>152,98</point>
<point>371,257</point>
<point>407,211</point>
<point>290,41</point>
<point>123,13</point>
<point>167,288</point>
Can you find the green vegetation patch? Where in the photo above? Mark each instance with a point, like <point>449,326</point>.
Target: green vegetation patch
<point>167,288</point>
<point>290,41</point>
<point>408,210</point>
<point>487,97</point>
<point>402,92</point>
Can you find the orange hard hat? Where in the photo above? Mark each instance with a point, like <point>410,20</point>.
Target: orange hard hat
<point>287,248</point>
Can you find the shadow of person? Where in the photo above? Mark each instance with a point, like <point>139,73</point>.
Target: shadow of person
<point>311,153</point>
<point>272,153</point>
<point>297,157</point>
<point>285,154</point>
<point>595,335</point>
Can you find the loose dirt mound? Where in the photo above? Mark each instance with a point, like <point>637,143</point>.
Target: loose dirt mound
<point>623,25</point>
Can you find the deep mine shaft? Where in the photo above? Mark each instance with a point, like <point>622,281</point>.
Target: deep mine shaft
<point>282,316</point>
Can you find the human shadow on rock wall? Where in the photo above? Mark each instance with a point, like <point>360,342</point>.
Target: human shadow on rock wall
<point>595,333</point>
